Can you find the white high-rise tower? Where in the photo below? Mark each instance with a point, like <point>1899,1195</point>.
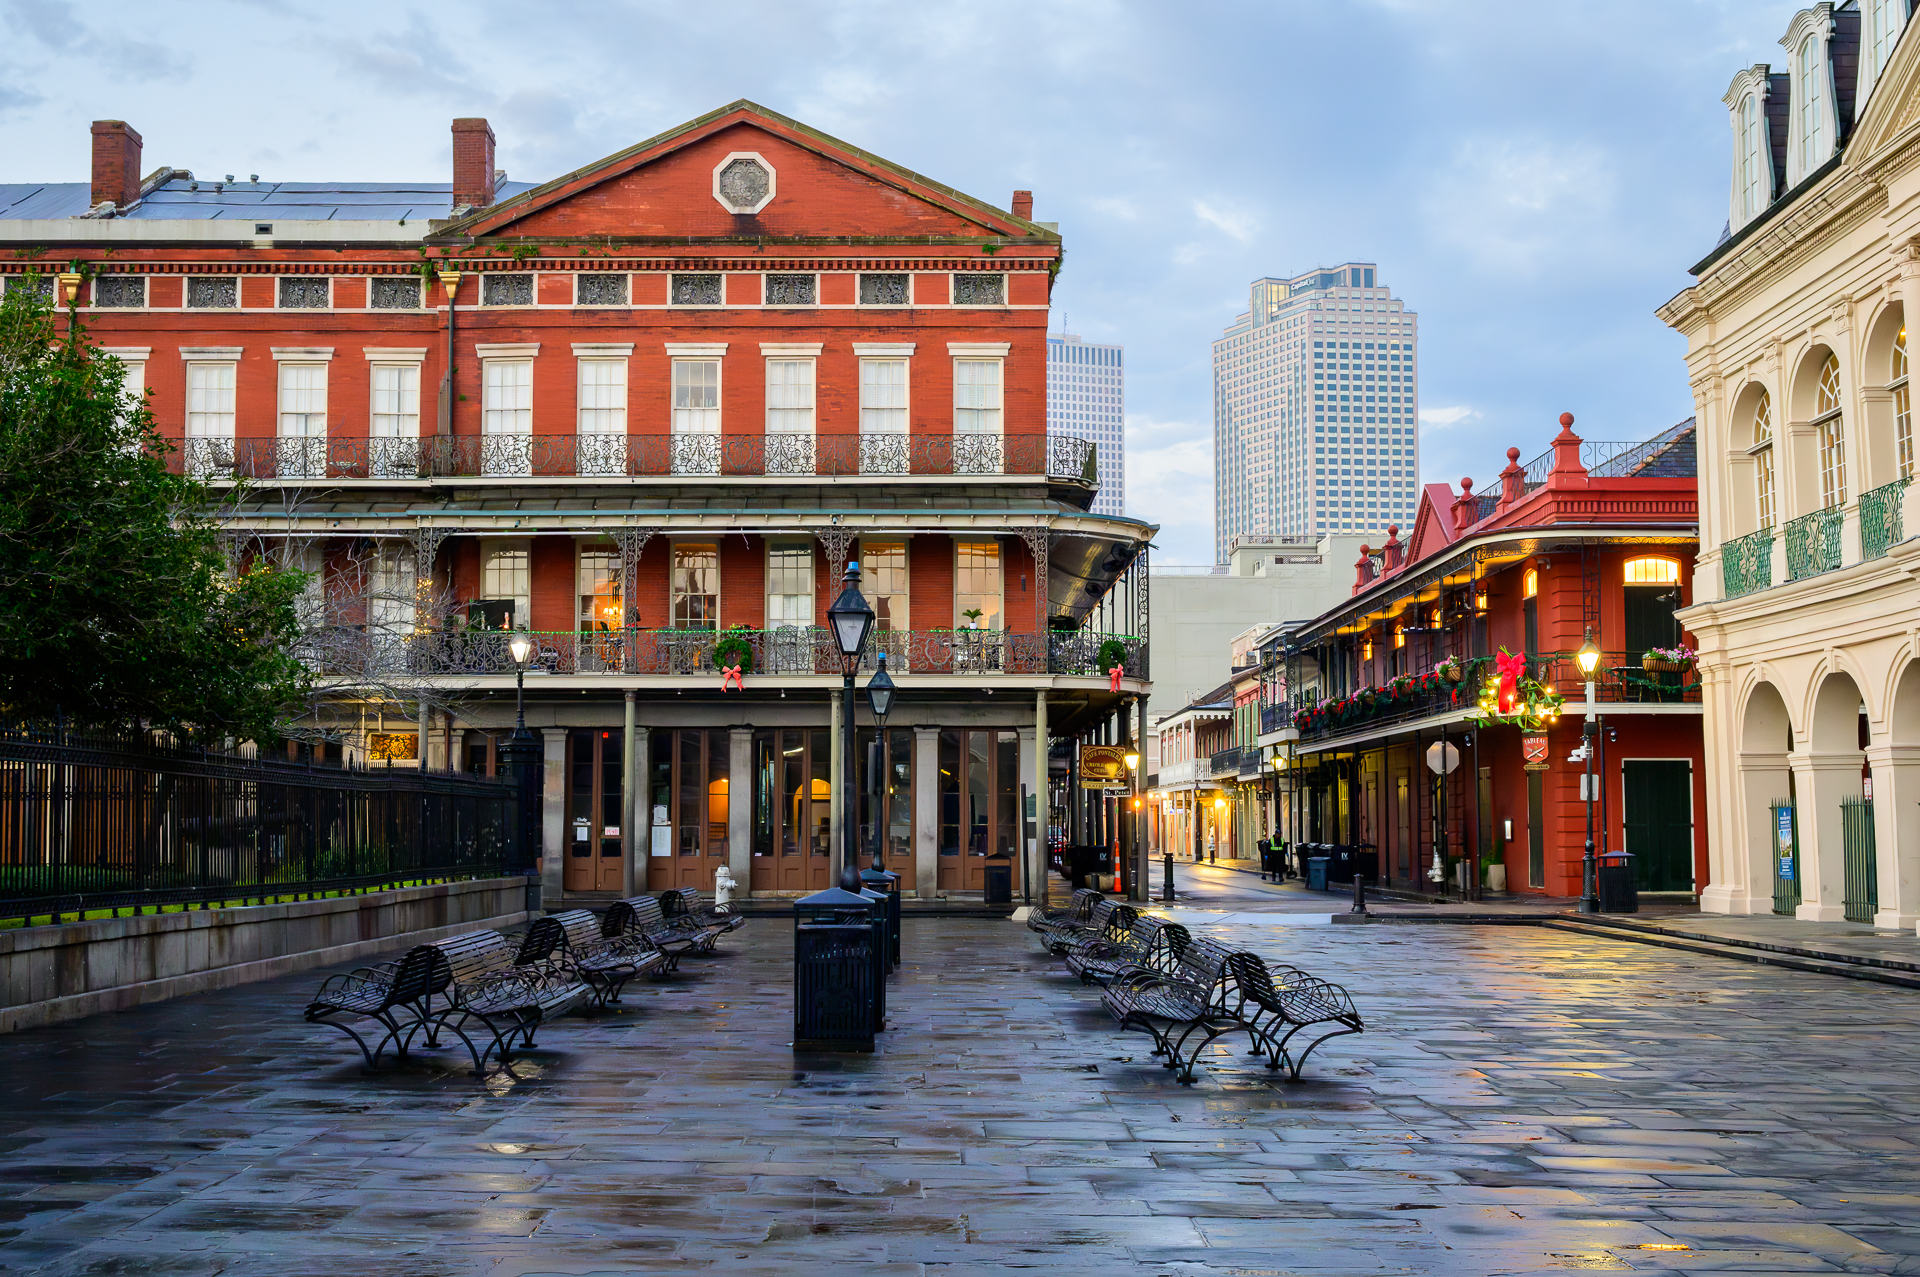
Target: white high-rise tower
<point>1086,396</point>
<point>1315,409</point>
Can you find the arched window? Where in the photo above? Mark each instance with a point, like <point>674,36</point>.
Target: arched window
<point>1651,571</point>
<point>1902,404</point>
<point>1886,18</point>
<point>1811,104</point>
<point>1827,419</point>
<point>1530,583</point>
<point>1753,160</point>
<point>1762,450</point>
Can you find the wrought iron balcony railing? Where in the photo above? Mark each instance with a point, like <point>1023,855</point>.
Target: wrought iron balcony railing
<point>1062,457</point>
<point>1746,564</point>
<point>348,653</point>
<point>1880,518</point>
<point>1813,544</point>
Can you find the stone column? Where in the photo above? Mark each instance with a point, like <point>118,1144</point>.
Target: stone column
<point>1024,857</point>
<point>740,793</point>
<point>1896,833</point>
<point>629,794</point>
<point>553,813</point>
<point>926,812</point>
<point>641,806</point>
<point>1820,782</point>
<point>1036,883</point>
<point>1742,864</point>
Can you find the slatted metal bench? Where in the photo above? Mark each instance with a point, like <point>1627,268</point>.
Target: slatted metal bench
<point>1106,919</point>
<point>395,995</point>
<point>572,939</point>
<point>1150,945</point>
<point>687,902</point>
<point>639,918</point>
<point>1188,1004</point>
<point>1279,1003</point>
<point>1072,914</point>
<point>492,988</point>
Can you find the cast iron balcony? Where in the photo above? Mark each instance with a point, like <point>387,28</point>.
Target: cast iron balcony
<point>1746,564</point>
<point>1880,522</point>
<point>1813,544</point>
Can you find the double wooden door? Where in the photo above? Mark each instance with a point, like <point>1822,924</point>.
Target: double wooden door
<point>688,792</point>
<point>792,809</point>
<point>1658,822</point>
<point>596,769</point>
<point>979,804</point>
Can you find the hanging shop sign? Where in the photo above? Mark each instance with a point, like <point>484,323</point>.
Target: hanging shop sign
<point>1534,749</point>
<point>1103,765</point>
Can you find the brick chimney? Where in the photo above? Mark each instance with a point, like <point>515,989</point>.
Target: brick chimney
<point>472,163</point>
<point>116,164</point>
<point>1023,204</point>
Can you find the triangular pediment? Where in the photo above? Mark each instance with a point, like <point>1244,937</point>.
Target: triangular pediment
<point>815,187</point>
<point>1432,526</point>
<point>1892,108</point>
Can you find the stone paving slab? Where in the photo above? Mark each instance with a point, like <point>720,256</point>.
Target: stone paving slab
<point>1524,1101</point>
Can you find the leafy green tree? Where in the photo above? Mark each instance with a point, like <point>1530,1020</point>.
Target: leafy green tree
<point>118,606</point>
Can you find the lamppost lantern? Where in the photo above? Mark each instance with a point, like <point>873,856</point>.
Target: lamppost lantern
<point>851,618</point>
<point>520,647</point>
<point>1588,657</point>
<point>880,691</point>
<point>1133,760</point>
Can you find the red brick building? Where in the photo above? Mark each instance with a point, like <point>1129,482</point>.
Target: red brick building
<point>1591,538</point>
<point>641,409</point>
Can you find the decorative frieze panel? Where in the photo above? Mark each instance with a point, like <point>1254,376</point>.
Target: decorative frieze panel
<point>506,290</point>
<point>980,289</point>
<point>601,290</point>
<point>792,290</point>
<point>213,292</point>
<point>883,290</point>
<point>305,292</point>
<point>396,294</point>
<point>696,290</point>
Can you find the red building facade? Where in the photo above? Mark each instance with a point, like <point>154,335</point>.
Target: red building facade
<point>1592,539</point>
<point>648,411</point>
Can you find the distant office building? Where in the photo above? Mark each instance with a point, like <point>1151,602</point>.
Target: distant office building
<point>1086,397</point>
<point>1315,422</point>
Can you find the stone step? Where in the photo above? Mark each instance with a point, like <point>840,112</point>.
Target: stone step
<point>1774,956</point>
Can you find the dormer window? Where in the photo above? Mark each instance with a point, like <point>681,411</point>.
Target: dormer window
<point>1809,86</point>
<point>1754,179</point>
<point>1885,21</point>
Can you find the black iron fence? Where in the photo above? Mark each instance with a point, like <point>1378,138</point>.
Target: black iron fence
<point>92,823</point>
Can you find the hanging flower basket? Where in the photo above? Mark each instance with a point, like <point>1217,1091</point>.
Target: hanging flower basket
<point>1667,660</point>
<point>1449,670</point>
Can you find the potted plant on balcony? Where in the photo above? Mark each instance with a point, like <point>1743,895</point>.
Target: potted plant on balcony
<point>734,649</point>
<point>1667,660</point>
<point>1449,670</point>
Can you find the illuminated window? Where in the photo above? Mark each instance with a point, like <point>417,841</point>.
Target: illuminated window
<point>599,577</point>
<point>1366,649</point>
<point>1399,634</point>
<point>696,585</point>
<point>1651,572</point>
<point>977,585</point>
<point>1530,583</point>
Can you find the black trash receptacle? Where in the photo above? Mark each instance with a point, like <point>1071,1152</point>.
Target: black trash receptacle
<point>826,998</point>
<point>1366,863</point>
<point>1302,852</point>
<point>1618,891</point>
<point>1317,872</point>
<point>999,880</point>
<point>887,883</point>
<point>1340,866</point>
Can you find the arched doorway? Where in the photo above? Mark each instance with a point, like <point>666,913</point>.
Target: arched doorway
<point>1895,762</point>
<point>1829,791</point>
<point>1751,867</point>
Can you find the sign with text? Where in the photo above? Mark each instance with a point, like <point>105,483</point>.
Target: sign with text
<point>1534,749</point>
<point>1102,765</point>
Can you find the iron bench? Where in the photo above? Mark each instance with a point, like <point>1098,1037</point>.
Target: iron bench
<point>639,918</point>
<point>687,902</point>
<point>1177,1006</point>
<point>1278,1003</point>
<point>1072,914</point>
<point>1149,945</point>
<point>394,994</point>
<point>602,964</point>
<point>490,985</point>
<point>1106,919</point>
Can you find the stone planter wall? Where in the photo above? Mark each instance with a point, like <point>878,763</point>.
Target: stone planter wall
<point>51,974</point>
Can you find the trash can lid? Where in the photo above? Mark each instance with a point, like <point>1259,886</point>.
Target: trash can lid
<point>832,897</point>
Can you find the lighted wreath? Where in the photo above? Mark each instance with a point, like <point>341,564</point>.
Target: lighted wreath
<point>1513,697</point>
<point>733,649</point>
<point>1112,652</point>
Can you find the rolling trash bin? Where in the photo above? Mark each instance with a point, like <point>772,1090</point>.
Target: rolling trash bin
<point>1618,891</point>
<point>1317,872</point>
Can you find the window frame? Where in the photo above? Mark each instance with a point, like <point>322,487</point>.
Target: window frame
<point>870,548</point>
<point>380,359</point>
<point>614,358</point>
<point>586,610</point>
<point>675,594</point>
<point>675,364</point>
<point>489,412</point>
<point>1898,365</point>
<point>991,622</point>
<point>799,548</point>
<point>491,549</point>
<point>982,353</point>
<point>1627,576</point>
<point>198,359</point>
<point>796,353</point>
<point>1830,434</point>
<point>1765,479</point>
<point>299,362</point>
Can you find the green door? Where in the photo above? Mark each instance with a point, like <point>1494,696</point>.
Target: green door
<point>1659,822</point>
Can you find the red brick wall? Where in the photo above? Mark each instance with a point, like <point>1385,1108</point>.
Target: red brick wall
<point>1017,596</point>
<point>930,582</point>
<point>743,581</point>
<point>652,605</point>
<point>555,584</point>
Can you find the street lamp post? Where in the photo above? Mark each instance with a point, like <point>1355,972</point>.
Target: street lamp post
<point>521,754</point>
<point>1588,658</point>
<point>880,694</point>
<point>1136,852</point>
<point>851,619</point>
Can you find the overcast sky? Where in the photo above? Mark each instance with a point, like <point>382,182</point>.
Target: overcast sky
<point>1532,178</point>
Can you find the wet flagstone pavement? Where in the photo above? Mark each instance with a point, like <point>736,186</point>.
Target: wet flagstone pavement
<point>1525,1101</point>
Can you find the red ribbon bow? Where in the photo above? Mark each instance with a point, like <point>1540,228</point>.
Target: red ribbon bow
<point>731,674</point>
<point>1511,669</point>
<point>1114,676</point>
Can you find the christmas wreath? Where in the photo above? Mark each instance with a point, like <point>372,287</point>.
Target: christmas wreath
<point>733,649</point>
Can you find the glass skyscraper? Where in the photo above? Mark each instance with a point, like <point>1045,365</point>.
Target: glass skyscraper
<point>1086,396</point>
<point>1315,409</point>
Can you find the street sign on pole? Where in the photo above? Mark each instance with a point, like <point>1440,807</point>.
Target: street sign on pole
<point>1442,758</point>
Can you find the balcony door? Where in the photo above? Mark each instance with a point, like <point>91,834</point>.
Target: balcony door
<point>595,770</point>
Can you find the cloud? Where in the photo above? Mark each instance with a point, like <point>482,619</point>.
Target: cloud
<point>55,24</point>
<point>1170,482</point>
<point>1438,418</point>
<point>1237,224</point>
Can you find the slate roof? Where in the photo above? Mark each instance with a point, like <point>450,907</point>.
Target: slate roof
<point>177,200</point>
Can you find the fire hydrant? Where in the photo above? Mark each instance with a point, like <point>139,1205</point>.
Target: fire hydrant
<point>723,885</point>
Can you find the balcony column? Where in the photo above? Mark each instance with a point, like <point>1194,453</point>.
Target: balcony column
<point>1896,833</point>
<point>740,809</point>
<point>630,773</point>
<point>1741,868</point>
<point>1820,782</point>
<point>926,812</point>
<point>553,812</point>
<point>1026,736</point>
<point>1036,883</point>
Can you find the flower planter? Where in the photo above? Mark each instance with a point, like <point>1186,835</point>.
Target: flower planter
<point>1660,665</point>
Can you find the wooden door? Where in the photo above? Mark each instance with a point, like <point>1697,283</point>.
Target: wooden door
<point>979,804</point>
<point>792,809</point>
<point>1403,827</point>
<point>888,800</point>
<point>594,776</point>
<point>1659,821</point>
<point>688,793</point>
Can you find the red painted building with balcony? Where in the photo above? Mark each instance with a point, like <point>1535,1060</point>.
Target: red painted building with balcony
<point>1591,539</point>
<point>648,410</point>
